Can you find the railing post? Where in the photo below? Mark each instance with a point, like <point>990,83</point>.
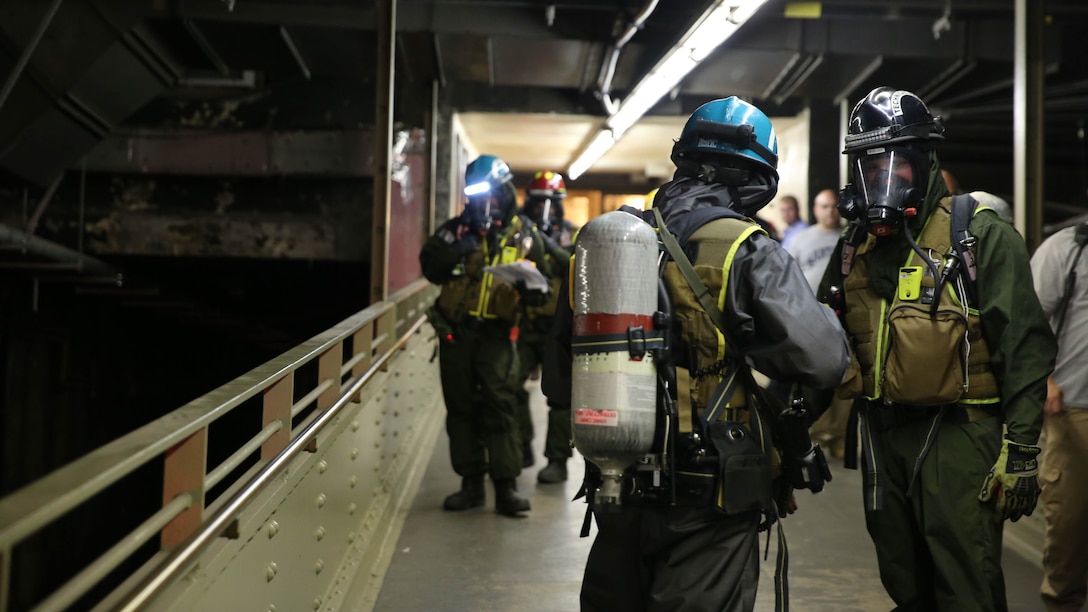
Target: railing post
<point>362,343</point>
<point>384,330</point>
<point>184,471</point>
<point>328,368</point>
<point>277,407</point>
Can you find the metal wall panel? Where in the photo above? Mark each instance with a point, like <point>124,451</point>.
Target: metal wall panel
<point>333,515</point>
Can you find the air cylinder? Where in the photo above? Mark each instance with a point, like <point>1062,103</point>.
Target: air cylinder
<point>614,388</point>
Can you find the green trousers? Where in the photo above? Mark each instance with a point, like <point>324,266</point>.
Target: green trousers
<point>940,548</point>
<point>479,381</point>
<point>531,353</point>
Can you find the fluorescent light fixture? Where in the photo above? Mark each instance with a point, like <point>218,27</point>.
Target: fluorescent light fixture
<point>708,32</point>
<point>477,189</point>
<point>601,143</point>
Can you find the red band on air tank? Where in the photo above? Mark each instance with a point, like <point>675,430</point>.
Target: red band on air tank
<point>597,323</point>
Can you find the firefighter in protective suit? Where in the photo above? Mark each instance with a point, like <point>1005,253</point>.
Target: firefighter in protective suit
<point>693,553</point>
<point>476,318</point>
<point>951,348</point>
<point>544,205</point>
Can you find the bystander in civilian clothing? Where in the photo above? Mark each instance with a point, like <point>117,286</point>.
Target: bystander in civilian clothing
<point>1060,273</point>
<point>792,223</point>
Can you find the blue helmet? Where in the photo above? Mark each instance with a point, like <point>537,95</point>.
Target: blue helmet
<point>728,127</point>
<point>485,174</point>
<point>491,197</point>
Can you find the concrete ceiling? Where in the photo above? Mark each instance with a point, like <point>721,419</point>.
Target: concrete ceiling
<point>531,142</point>
<point>526,76</point>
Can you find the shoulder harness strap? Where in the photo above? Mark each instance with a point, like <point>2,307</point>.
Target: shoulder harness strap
<point>963,241</point>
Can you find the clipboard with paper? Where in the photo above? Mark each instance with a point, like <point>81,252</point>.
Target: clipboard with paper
<point>521,274</point>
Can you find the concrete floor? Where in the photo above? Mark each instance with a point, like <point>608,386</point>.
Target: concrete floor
<point>481,561</point>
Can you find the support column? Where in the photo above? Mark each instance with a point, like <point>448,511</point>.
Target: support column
<point>824,150</point>
<point>1028,117</point>
<point>383,148</point>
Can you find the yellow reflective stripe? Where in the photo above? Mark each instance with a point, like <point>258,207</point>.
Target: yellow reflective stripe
<point>481,304</point>
<point>728,263</point>
<point>872,453</point>
<point>882,333</point>
<point>980,401</point>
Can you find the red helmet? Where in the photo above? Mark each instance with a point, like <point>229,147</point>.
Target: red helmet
<point>548,184</point>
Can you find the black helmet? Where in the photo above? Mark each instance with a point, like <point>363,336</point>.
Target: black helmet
<point>890,116</point>
<point>889,139</point>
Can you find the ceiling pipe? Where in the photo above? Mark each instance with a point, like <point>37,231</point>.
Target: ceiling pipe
<point>24,57</point>
<point>44,249</point>
<point>608,66</point>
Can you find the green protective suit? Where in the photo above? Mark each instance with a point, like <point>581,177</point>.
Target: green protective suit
<point>478,355</point>
<point>536,325</point>
<point>479,378</point>
<point>938,546</point>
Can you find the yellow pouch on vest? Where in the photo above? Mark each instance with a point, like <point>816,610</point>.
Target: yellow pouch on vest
<point>925,356</point>
<point>910,283</point>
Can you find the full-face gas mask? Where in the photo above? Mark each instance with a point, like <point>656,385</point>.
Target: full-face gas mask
<point>539,209</point>
<point>546,213</point>
<point>889,139</point>
<point>888,184</point>
<point>490,196</point>
<point>477,212</point>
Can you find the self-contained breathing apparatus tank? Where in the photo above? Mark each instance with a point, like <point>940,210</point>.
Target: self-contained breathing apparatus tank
<point>614,379</point>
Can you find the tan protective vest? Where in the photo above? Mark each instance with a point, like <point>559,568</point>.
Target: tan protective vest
<point>904,354</point>
<point>718,242</point>
<point>473,293</point>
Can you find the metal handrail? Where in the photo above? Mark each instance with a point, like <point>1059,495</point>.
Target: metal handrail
<point>172,566</point>
<point>237,457</point>
<point>300,405</point>
<point>103,565</point>
<point>30,509</point>
<point>27,510</point>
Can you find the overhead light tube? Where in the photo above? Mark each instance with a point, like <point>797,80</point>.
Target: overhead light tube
<point>600,144</point>
<point>712,28</point>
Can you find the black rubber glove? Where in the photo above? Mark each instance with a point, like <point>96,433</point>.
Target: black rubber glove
<point>467,244</point>
<point>784,501</point>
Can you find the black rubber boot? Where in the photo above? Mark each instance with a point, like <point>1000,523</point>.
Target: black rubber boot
<point>527,459</point>
<point>555,471</point>
<point>471,495</point>
<point>507,500</point>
